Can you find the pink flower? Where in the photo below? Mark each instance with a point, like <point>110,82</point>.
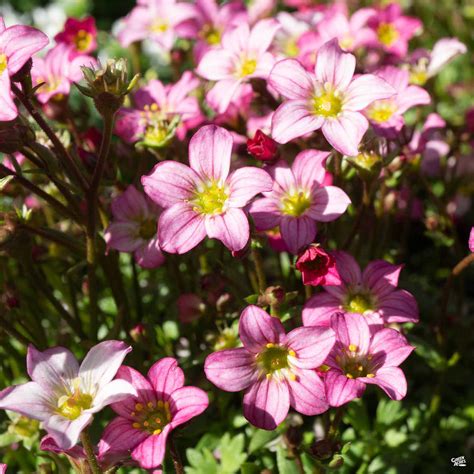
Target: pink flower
<point>330,99</point>
<point>65,396</point>
<point>242,56</point>
<point>299,199</point>
<point>318,267</point>
<point>158,20</point>
<point>18,43</point>
<point>3,468</point>
<point>161,404</point>
<point>471,240</point>
<point>275,369</point>
<point>386,115</point>
<point>393,29</point>
<point>155,106</point>
<point>204,198</point>
<point>359,358</point>
<point>80,34</point>
<point>372,293</point>
<point>262,147</point>
<point>135,228</point>
<point>58,70</point>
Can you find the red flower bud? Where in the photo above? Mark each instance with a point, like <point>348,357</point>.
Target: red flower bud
<point>262,147</point>
<point>318,267</point>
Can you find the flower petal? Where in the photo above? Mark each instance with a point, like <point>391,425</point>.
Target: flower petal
<point>186,403</point>
<point>257,328</point>
<point>265,213</point>
<point>113,392</point>
<point>411,96</point>
<point>391,380</point>
<point>247,182</point>
<point>390,347</point>
<point>307,393</point>
<point>309,167</point>
<point>319,308</point>
<point>166,377</point>
<point>351,329</point>
<point>329,203</point>
<point>64,431</point>
<point>149,254</point>
<point>210,150</point>
<point>8,110</point>
<point>28,399</point>
<point>151,452</point>
<point>400,306</point>
<point>340,389</point>
<point>291,80</point>
<point>123,236</point>
<point>297,232</point>
<point>231,228</point>
<point>261,35</point>
<point>381,277</point>
<point>231,370</point>
<point>345,132</point>
<point>364,90</point>
<point>180,228</point>
<point>130,205</point>
<point>266,403</point>
<point>348,268</point>
<point>216,64</point>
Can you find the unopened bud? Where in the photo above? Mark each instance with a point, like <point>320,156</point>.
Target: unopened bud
<point>14,136</point>
<point>262,147</point>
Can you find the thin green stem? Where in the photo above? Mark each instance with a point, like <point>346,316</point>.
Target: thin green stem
<point>258,262</point>
<point>89,450</point>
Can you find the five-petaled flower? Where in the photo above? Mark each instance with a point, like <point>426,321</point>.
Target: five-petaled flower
<point>331,99</point>
<point>299,199</point>
<point>276,370</point>
<point>204,198</point>
<point>360,357</point>
<point>372,293</point>
<point>145,420</point>
<point>65,396</point>
<point>317,267</point>
<point>80,34</point>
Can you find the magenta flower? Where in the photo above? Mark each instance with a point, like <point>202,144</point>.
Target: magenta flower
<point>18,43</point>
<point>65,396</point>
<point>158,20</point>
<point>331,99</point>
<point>161,404</point>
<point>3,468</point>
<point>275,369</point>
<point>318,267</point>
<point>359,358</point>
<point>299,199</point>
<point>471,240</point>
<point>156,105</point>
<point>135,228</point>
<point>204,199</point>
<point>372,293</point>
<point>80,34</point>
<point>242,56</point>
<point>393,29</point>
<point>58,70</point>
<point>386,115</point>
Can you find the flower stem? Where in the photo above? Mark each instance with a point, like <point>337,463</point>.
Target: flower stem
<point>177,463</point>
<point>89,450</point>
<point>258,262</point>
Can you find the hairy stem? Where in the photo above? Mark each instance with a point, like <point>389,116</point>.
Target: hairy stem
<point>89,450</point>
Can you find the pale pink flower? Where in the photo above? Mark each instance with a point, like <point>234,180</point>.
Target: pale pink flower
<point>242,56</point>
<point>372,293</point>
<point>299,199</point>
<point>471,240</point>
<point>258,9</point>
<point>386,115</point>
<point>204,199</point>
<point>18,43</point>
<point>80,34</point>
<point>146,419</point>
<point>134,228</point>
<point>3,468</point>
<point>58,70</point>
<point>393,29</point>
<point>288,37</point>
<point>360,357</point>
<point>158,20</point>
<point>64,396</point>
<point>275,369</point>
<point>155,105</point>
<point>331,99</point>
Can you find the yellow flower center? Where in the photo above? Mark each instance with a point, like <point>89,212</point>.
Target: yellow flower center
<point>24,427</point>
<point>353,364</point>
<point>147,229</point>
<point>418,77</point>
<point>291,49</point>
<point>82,40</point>
<point>71,405</point>
<point>273,359</point>
<point>359,303</point>
<point>381,110</point>
<point>387,34</point>
<point>247,67</point>
<point>211,199</point>
<point>3,63</point>
<point>210,34</point>
<point>152,417</point>
<point>328,103</point>
<point>346,42</point>
<point>367,159</point>
<point>295,204</point>
<point>159,26</point>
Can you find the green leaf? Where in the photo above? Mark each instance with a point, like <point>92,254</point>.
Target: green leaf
<point>389,412</point>
<point>285,465</point>
<point>249,468</point>
<point>202,462</point>
<point>395,438</point>
<point>232,455</point>
<point>357,416</point>
<point>259,439</point>
<point>4,181</point>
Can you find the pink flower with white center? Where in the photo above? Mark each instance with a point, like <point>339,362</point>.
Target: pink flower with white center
<point>80,34</point>
<point>58,70</point>
<point>386,115</point>
<point>393,30</point>
<point>204,199</point>
<point>331,99</point>
<point>242,56</point>
<point>360,357</point>
<point>158,20</point>
<point>299,199</point>
<point>135,228</point>
<point>372,293</point>
<point>156,105</point>
<point>161,404</point>
<point>64,396</point>
<point>276,370</point>
<point>18,43</point>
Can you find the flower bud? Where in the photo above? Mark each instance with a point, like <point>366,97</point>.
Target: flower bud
<point>14,136</point>
<point>262,147</point>
<point>107,85</point>
<point>317,267</point>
